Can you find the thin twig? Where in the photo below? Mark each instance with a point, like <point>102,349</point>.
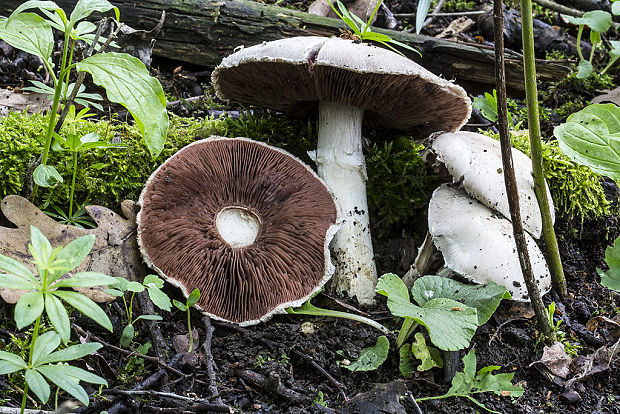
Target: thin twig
<point>197,408</point>
<point>450,14</point>
<point>389,17</point>
<point>559,8</point>
<point>436,10</point>
<point>273,386</point>
<point>209,357</point>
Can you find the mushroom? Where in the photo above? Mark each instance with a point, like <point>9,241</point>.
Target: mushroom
<point>478,244</point>
<point>344,82</point>
<point>247,224</point>
<point>475,161</point>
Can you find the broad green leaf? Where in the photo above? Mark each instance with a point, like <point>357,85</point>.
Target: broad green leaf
<point>40,247</point>
<point>45,344</point>
<point>421,13</point>
<point>193,297</point>
<point>57,315</point>
<point>485,298</point>
<point>35,4</point>
<point>10,265</point>
<point>377,37</point>
<point>9,281</point>
<point>615,8</point>
<point>114,292</point>
<point>28,308</point>
<point>592,137</point>
<point>611,278</point>
<point>127,81</point>
<point>391,285</point>
<point>584,69</point>
<point>429,356</point>
<point>85,8</point>
<point>405,366</point>
<point>149,318</point>
<point>121,283</point>
<point>154,281</point>
<point>371,358</point>
<point>487,105</point>
<point>28,32</point>
<point>595,38</point>
<point>72,255</point>
<point>57,374</point>
<point>597,20</point>
<point>127,336</point>
<point>46,176</point>
<point>11,363</point>
<point>38,385</point>
<point>179,305</point>
<point>159,299</point>
<point>71,353</point>
<point>462,383</point>
<point>86,279</point>
<point>86,306</point>
<point>134,287</point>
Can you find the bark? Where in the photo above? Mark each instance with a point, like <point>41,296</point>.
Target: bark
<point>204,31</point>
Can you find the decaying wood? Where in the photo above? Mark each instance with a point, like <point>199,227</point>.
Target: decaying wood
<point>273,386</point>
<point>114,253</point>
<point>204,31</point>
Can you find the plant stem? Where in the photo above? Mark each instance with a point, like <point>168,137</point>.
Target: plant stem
<point>189,329</point>
<point>509,175</point>
<point>75,158</point>
<point>338,314</point>
<point>540,188</point>
<point>35,334</point>
<point>579,33</point>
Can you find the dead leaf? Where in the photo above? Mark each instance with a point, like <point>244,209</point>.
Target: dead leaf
<point>612,96</point>
<point>20,101</point>
<point>456,27</point>
<point>556,360</point>
<point>114,253</point>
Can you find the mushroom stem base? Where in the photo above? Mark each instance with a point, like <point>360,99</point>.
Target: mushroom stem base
<point>341,165</point>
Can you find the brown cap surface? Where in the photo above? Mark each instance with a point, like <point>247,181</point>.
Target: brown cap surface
<point>296,215</point>
<point>292,75</point>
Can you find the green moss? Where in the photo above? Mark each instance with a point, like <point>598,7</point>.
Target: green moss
<point>576,190</point>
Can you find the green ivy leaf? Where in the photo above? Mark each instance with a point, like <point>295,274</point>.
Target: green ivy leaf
<point>429,356</point>
<point>46,176</point>
<point>592,137</point>
<point>127,81</point>
<point>611,278</point>
<point>371,358</point>
<point>28,32</point>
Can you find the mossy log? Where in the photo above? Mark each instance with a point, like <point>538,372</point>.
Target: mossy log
<point>204,31</point>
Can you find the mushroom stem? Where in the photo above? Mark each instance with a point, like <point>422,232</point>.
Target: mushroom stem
<point>341,165</point>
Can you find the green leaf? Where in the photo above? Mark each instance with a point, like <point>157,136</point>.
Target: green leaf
<point>127,336</point>
<point>611,278</point>
<point>159,298</point>
<point>121,283</point>
<point>429,356</point>
<point>11,363</point>
<point>179,305</point>
<point>71,353</point>
<point>592,137</point>
<point>615,8</point>
<point>86,306</point>
<point>420,15</point>
<point>85,8</point>
<point>28,32</point>
<point>487,105</point>
<point>134,287</point>
<point>193,297</point>
<point>72,255</point>
<point>38,385</point>
<point>149,317</point>
<point>10,265</point>
<point>35,4</point>
<point>391,285</point>
<point>597,20</point>
<point>127,81</point>
<point>9,281</point>
<point>405,366</point>
<point>86,279</point>
<point>485,298</point>
<point>371,358</point>
<point>58,375</point>
<point>44,345</point>
<point>57,315</point>
<point>46,176</point>
<point>584,69</point>
<point>40,247</point>
<point>84,375</point>
<point>154,281</point>
<point>595,38</point>
<point>28,308</point>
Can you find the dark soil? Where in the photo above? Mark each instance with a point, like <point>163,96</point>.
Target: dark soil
<point>295,360</point>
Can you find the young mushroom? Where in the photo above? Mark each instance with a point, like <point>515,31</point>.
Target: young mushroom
<point>347,84</point>
<point>247,224</point>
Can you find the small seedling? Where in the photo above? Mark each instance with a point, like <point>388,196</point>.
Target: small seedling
<point>47,293</point>
<point>192,299</point>
<point>153,285</point>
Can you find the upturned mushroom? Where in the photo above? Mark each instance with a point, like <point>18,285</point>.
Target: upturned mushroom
<point>247,224</point>
<point>346,83</point>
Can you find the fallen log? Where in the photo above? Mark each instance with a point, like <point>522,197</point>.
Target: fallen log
<point>204,31</point>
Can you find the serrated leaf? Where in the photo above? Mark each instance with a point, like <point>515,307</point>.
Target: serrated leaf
<point>592,137</point>
<point>38,385</point>
<point>153,280</point>
<point>127,336</point>
<point>487,105</point>
<point>28,308</point>
<point>611,278</point>
<point>28,32</point>
<point>371,358</point>
<point>485,298</point>
<point>134,287</point>
<point>46,176</point>
<point>159,299</point>
<point>86,306</point>
<point>57,315</point>
<point>128,82</point>
<point>71,353</point>
<point>430,357</point>
<point>57,375</point>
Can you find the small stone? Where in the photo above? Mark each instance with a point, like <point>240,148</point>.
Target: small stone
<point>570,396</point>
<point>308,328</point>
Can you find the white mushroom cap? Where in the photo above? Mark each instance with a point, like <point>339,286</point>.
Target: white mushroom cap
<point>479,245</point>
<point>475,160</point>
